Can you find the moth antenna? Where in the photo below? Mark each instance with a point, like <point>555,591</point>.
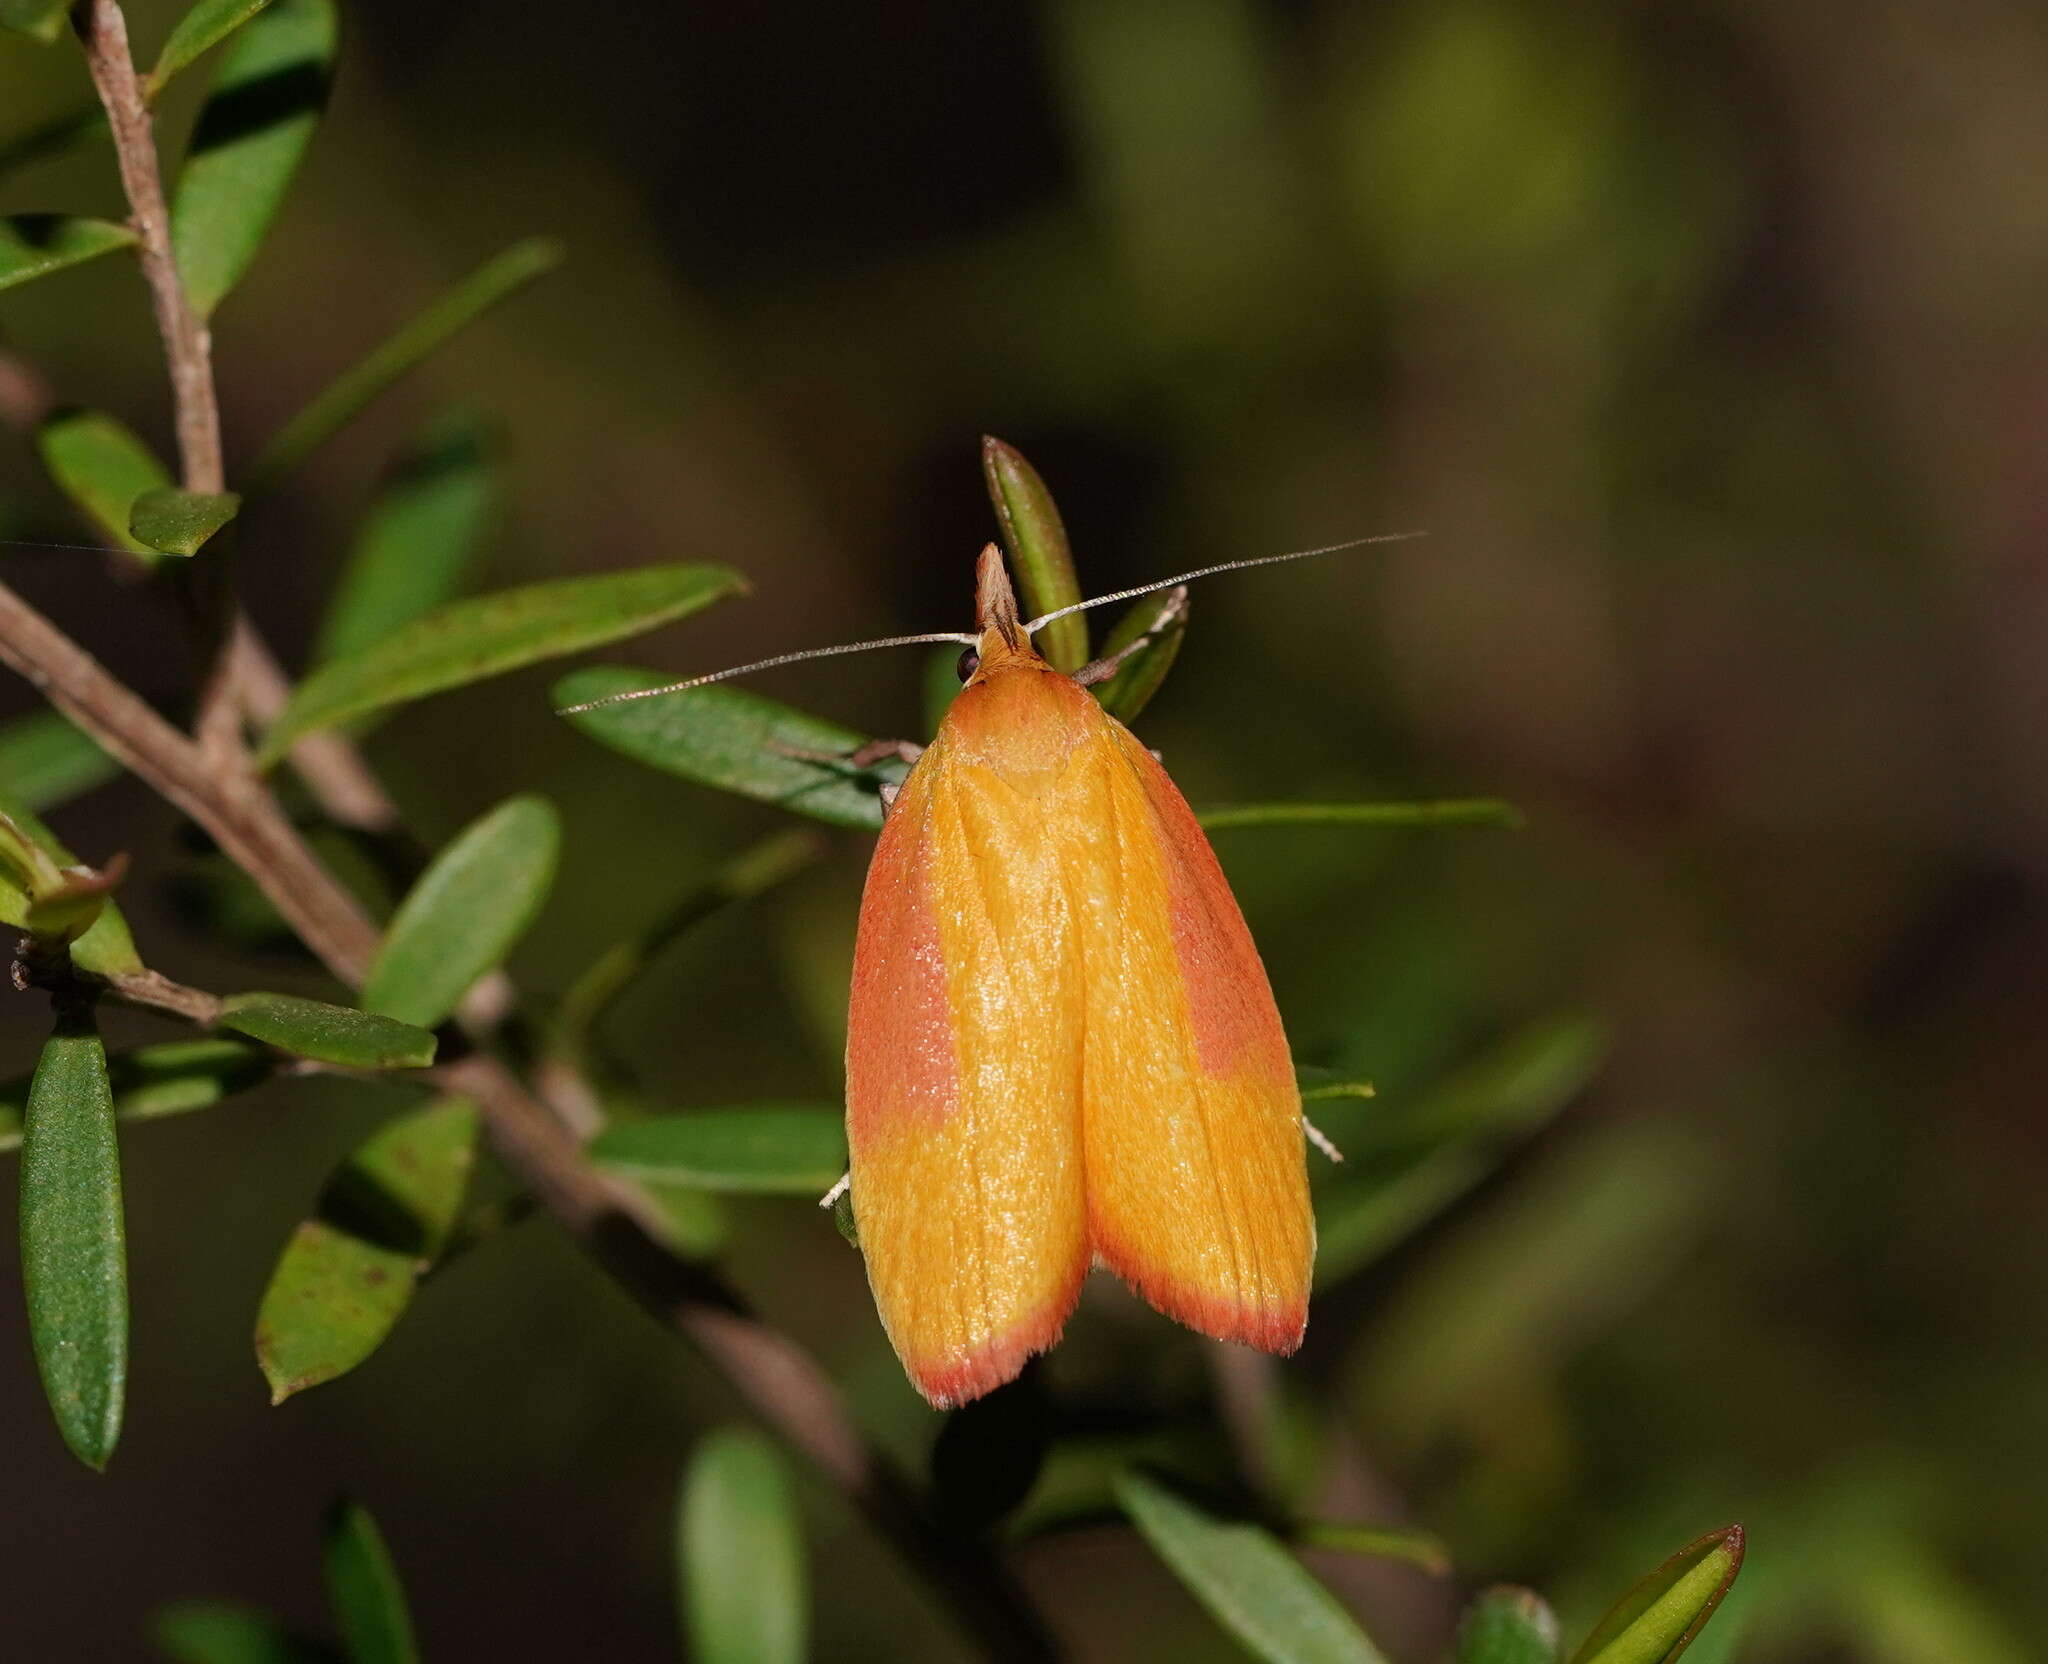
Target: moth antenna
<point>76,548</point>
<point>767,664</point>
<point>1210,571</point>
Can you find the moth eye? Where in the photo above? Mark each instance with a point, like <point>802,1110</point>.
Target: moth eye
<point>970,662</point>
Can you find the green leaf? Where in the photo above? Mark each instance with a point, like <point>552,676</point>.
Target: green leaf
<point>363,1588</point>
<point>1039,554</point>
<point>349,1272</point>
<point>106,949</point>
<point>150,1081</point>
<point>1320,1085</point>
<point>349,394</point>
<point>1421,1549</point>
<point>251,133</point>
<point>1462,811</point>
<point>38,18</point>
<point>52,137</point>
<point>328,1033</point>
<point>176,522</point>
<point>415,543</point>
<point>467,641</point>
<point>740,1555</point>
<point>738,742</point>
<point>46,761</point>
<point>64,912</point>
<point>32,245</point>
<point>775,1151</point>
<point>1658,1619</point>
<point>1507,1626</point>
<point>103,468</point>
<point>1130,690</point>
<point>476,898</point>
<point>74,1259</point>
<point>1250,1584</point>
<point>213,1632</point>
<point>199,31</point>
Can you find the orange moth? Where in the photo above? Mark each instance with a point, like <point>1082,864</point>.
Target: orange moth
<point>1061,1044</point>
<point>1062,1050</point>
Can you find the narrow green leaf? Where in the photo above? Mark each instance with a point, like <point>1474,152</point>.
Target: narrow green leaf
<point>213,1632</point>
<point>363,1588</point>
<point>740,1555</point>
<point>1319,1085</point>
<point>349,1272</point>
<point>496,281</point>
<point>176,522</point>
<point>476,898</point>
<point>74,1258</point>
<point>33,245</point>
<point>1250,1584</point>
<point>773,1150</point>
<point>1657,1620</point>
<point>46,761</point>
<point>467,641</point>
<point>1507,1626</point>
<point>103,468</point>
<point>1421,1549</point>
<point>738,742</point>
<point>150,1081</point>
<point>38,18</point>
<point>1467,811</point>
<point>106,949</point>
<point>251,133</point>
<point>328,1033</point>
<point>1165,618</point>
<point>1039,553</point>
<point>199,31</point>
<point>415,543</point>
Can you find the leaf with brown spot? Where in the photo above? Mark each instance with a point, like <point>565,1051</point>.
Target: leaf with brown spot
<point>349,1272</point>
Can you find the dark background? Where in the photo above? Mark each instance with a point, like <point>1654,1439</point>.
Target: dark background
<point>1707,342</point>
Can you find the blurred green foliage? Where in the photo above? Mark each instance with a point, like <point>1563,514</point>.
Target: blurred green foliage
<point>1701,1178</point>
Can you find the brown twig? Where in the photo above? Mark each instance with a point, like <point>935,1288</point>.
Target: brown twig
<point>210,779</point>
<point>188,353</point>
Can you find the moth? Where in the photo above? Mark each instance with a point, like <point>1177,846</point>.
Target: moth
<point>1062,1048</point>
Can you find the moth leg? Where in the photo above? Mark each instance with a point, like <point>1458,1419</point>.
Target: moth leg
<point>865,756</point>
<point>1320,1139</point>
<point>887,793</point>
<point>1100,670</point>
<point>838,1190</point>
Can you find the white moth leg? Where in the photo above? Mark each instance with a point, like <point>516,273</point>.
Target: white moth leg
<point>1319,1139</point>
<point>838,1190</point>
<point>887,793</point>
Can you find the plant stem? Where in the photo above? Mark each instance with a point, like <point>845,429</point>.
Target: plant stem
<point>188,354</point>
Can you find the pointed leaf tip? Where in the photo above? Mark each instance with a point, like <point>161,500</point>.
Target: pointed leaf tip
<point>34,245</point>
<point>1664,1613</point>
<point>1036,538</point>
